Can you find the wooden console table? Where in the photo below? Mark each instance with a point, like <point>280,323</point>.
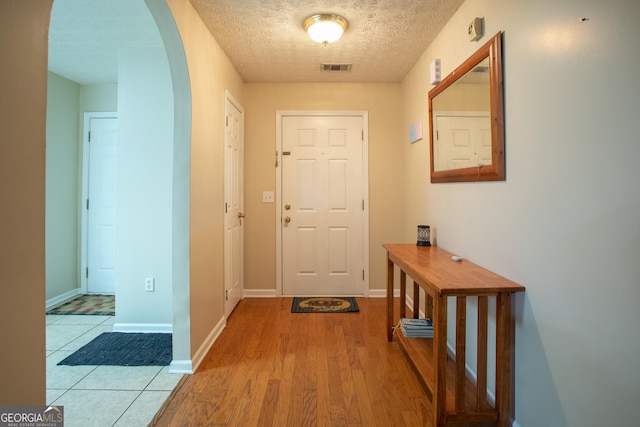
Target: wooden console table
<point>455,398</point>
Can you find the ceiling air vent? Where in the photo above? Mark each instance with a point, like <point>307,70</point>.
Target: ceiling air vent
<point>335,67</point>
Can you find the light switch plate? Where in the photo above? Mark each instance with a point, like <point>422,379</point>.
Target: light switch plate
<point>268,197</point>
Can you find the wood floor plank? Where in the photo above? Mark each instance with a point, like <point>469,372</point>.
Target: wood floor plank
<point>271,367</point>
<point>268,404</point>
<point>364,402</point>
<point>323,393</point>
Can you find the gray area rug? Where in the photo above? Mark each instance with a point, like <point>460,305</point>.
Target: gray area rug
<point>124,349</point>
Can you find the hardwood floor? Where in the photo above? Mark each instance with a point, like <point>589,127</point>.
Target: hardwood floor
<point>271,367</point>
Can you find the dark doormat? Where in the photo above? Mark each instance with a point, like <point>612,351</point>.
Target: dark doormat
<point>324,305</point>
<point>124,349</point>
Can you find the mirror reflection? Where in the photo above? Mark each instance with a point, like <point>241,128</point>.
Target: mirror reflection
<point>466,119</point>
<point>462,121</point>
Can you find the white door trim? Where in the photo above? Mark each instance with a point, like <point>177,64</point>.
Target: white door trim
<point>85,194</point>
<point>280,114</point>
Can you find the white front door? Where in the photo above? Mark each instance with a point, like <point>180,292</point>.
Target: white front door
<point>101,205</point>
<point>463,141</point>
<point>233,196</point>
<point>322,205</point>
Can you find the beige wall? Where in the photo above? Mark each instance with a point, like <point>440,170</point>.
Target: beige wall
<point>566,222</point>
<point>66,104</point>
<point>210,74</point>
<point>463,97</point>
<point>262,100</point>
<point>24,27</point>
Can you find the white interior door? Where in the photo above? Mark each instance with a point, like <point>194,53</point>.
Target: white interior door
<point>463,141</point>
<point>101,205</point>
<point>233,196</point>
<point>322,205</point>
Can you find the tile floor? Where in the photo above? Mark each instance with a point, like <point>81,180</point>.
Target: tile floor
<point>100,395</point>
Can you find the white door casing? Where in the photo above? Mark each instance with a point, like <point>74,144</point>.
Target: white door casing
<point>99,203</point>
<point>234,204</point>
<point>322,203</point>
<point>464,140</point>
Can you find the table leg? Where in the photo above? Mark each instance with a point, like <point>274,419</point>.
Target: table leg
<point>461,352</point>
<point>403,294</point>
<point>428,309</point>
<point>416,300</point>
<point>504,350</point>
<point>389,300</point>
<point>440,359</point>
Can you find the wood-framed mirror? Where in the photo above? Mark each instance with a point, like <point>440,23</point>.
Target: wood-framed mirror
<point>466,119</point>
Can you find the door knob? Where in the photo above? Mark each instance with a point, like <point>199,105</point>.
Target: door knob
<point>287,220</point>
<point>287,207</point>
<point>240,215</point>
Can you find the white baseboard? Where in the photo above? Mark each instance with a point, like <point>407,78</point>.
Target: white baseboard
<point>62,298</point>
<point>382,293</point>
<point>161,328</point>
<point>208,342</point>
<point>181,367</point>
<point>471,374</point>
<point>514,423</point>
<point>260,293</point>
<point>271,293</point>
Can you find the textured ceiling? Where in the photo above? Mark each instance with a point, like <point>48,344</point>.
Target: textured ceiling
<point>264,39</point>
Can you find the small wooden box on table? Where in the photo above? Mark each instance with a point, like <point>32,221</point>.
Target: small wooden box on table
<point>456,400</point>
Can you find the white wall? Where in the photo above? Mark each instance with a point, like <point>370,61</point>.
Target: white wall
<point>62,186</point>
<point>566,222</point>
<point>145,174</point>
<point>182,360</point>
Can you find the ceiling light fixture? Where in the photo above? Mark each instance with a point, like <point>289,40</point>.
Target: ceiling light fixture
<point>325,29</point>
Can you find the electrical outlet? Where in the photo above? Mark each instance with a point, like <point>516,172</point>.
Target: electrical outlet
<point>149,284</point>
<point>268,197</point>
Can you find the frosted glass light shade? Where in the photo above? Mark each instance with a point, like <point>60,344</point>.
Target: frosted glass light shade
<point>325,29</point>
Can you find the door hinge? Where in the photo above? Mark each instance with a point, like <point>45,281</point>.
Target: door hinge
<point>362,204</point>
<point>87,204</point>
<point>226,121</point>
<point>362,274</point>
<point>362,135</point>
<point>437,135</point>
<point>276,158</point>
<point>86,272</point>
<point>226,206</point>
<point>89,136</point>
<point>226,294</point>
